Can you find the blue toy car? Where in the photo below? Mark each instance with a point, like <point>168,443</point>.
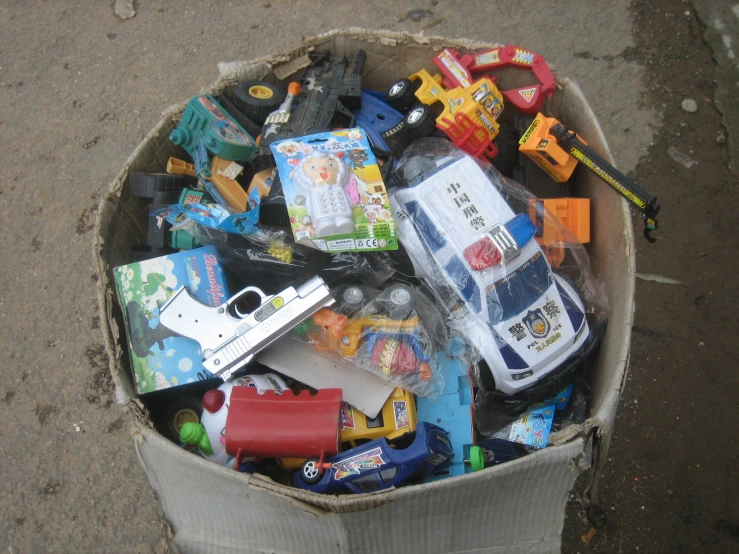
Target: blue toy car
<point>379,464</point>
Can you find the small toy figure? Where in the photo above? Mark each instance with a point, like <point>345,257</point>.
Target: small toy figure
<point>373,205</point>
<point>358,157</point>
<point>289,148</point>
<point>330,191</point>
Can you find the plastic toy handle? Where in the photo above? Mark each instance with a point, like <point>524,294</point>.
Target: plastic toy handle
<point>293,88</point>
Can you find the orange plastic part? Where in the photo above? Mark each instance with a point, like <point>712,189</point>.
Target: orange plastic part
<point>230,189</point>
<point>542,147</point>
<point>180,167</point>
<point>572,213</point>
<point>262,181</point>
<point>337,332</point>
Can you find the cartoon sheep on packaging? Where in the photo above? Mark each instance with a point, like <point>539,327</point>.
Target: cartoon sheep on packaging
<point>328,190</point>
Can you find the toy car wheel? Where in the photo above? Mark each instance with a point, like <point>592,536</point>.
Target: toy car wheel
<point>397,301</point>
<point>257,99</point>
<point>310,472</point>
<point>420,121</point>
<point>401,95</point>
<point>507,144</point>
<point>176,413</point>
<point>352,297</point>
<point>147,185</point>
<point>477,458</point>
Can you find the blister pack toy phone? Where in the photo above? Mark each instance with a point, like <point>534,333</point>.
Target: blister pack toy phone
<point>334,192</point>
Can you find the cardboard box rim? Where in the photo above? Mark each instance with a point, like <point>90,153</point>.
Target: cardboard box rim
<point>611,250</point>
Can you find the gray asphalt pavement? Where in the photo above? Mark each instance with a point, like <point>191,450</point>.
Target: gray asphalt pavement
<point>79,88</point>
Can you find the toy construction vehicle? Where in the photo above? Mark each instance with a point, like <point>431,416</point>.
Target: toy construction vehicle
<point>464,110</point>
<point>557,149</point>
<point>527,99</point>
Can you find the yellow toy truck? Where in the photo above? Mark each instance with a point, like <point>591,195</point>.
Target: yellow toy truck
<point>464,110</point>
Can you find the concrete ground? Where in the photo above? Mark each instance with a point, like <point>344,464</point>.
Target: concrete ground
<point>80,87</point>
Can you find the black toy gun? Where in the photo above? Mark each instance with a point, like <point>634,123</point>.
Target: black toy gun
<point>330,88</point>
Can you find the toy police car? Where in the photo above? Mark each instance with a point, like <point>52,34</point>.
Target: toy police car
<point>379,464</point>
<point>462,236</point>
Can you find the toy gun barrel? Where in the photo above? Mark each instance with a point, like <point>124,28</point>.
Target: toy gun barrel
<point>231,334</point>
<point>359,60</point>
<point>612,176</point>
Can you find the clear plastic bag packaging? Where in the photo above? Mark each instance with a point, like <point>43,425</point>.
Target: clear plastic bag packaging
<point>272,261</point>
<point>395,333</point>
<point>534,313</point>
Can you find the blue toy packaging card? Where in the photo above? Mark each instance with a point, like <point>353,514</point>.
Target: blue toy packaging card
<point>531,429</point>
<point>159,358</point>
<point>561,399</point>
<point>334,192</point>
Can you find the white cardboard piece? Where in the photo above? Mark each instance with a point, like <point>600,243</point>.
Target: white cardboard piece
<point>366,392</point>
<point>517,507</point>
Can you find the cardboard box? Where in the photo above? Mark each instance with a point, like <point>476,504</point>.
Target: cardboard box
<point>514,507</point>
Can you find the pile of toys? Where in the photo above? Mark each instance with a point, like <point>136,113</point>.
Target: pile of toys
<point>412,304</point>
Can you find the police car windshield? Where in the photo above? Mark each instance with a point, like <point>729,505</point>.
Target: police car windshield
<point>517,291</point>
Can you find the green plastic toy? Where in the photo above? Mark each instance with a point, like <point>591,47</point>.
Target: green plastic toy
<point>205,119</point>
<point>194,434</point>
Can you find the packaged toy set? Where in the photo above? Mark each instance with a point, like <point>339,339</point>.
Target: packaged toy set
<point>334,192</point>
<point>161,359</point>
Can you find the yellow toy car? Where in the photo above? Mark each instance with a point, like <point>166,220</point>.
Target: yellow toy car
<point>464,110</point>
<point>397,417</point>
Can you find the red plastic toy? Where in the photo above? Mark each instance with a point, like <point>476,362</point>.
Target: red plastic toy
<point>286,425</point>
<point>528,99</point>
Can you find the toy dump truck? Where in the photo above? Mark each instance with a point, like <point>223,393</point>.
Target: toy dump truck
<point>464,110</point>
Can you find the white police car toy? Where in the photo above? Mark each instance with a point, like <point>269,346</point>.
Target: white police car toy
<point>460,233</point>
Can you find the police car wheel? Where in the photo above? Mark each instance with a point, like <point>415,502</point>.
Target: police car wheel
<point>309,472</point>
